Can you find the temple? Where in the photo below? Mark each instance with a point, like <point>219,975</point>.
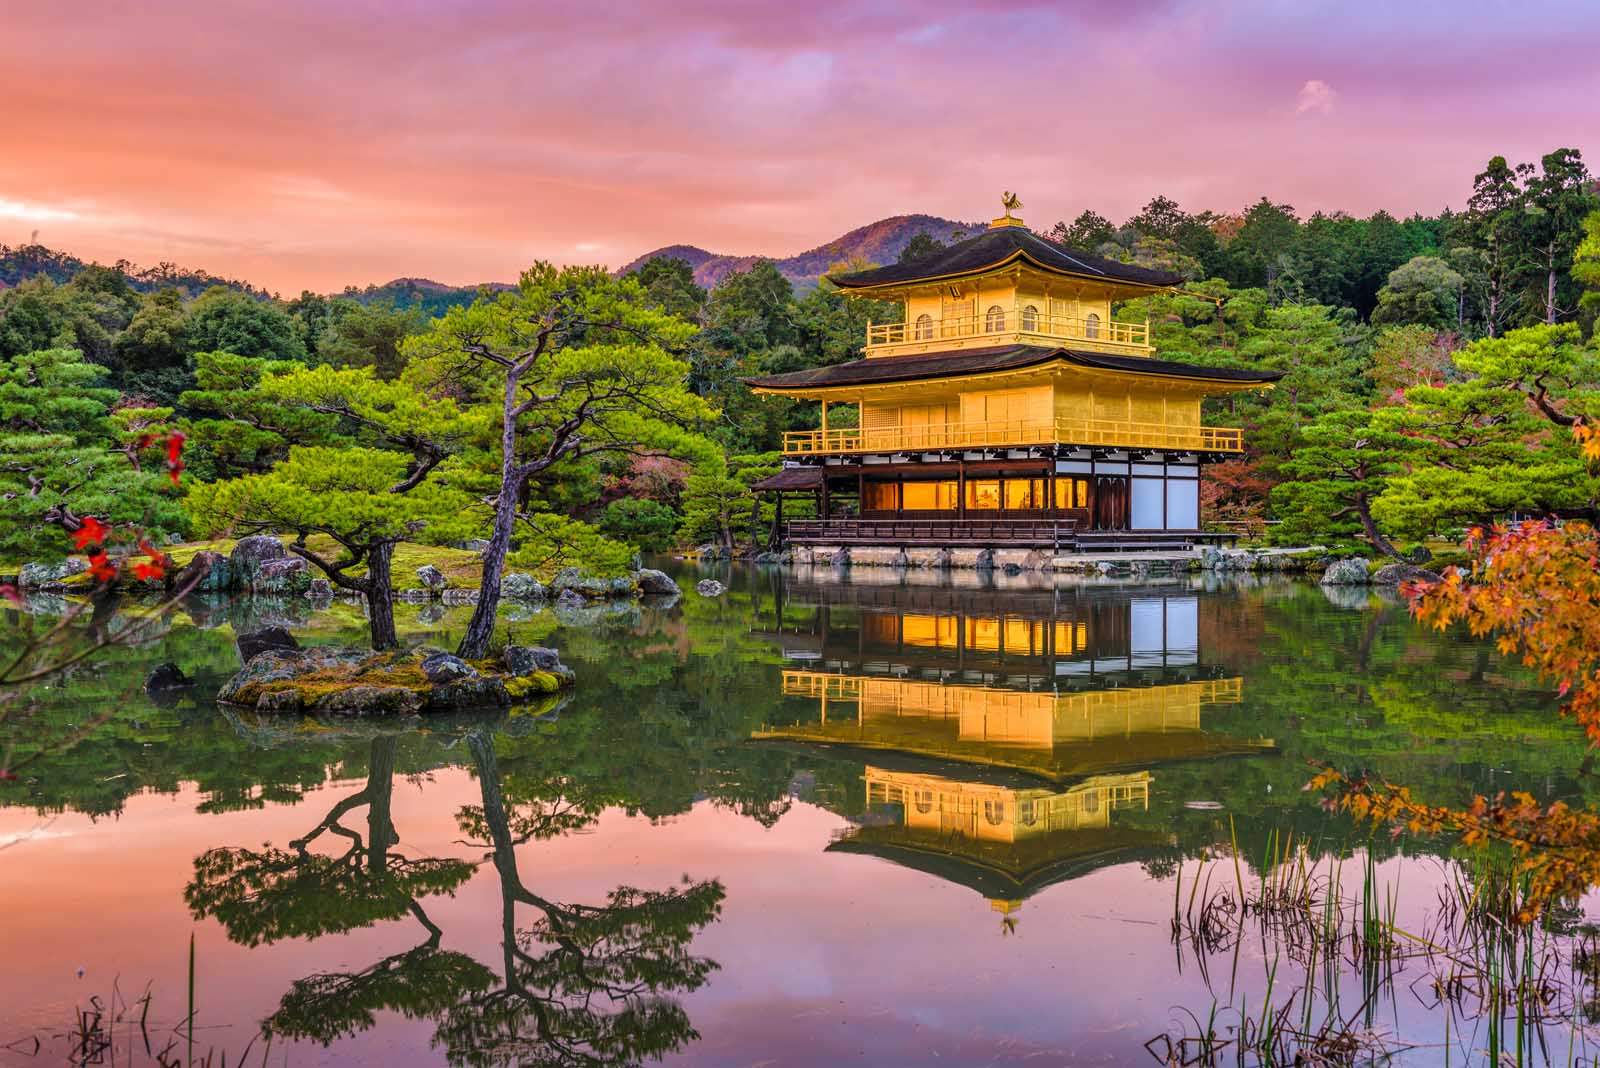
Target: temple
<point>1007,407</point>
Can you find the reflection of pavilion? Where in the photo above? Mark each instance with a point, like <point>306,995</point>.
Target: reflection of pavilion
<point>1059,737</point>
<point>1001,732</point>
<point>1005,842</point>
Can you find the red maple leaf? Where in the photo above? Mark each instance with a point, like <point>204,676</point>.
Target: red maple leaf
<point>101,569</point>
<point>159,562</point>
<point>9,592</point>
<point>175,464</point>
<point>92,532</point>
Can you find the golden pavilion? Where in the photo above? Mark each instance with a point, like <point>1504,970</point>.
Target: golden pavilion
<point>1008,407</point>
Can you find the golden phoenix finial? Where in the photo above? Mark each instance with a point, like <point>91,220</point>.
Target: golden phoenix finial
<point>1010,201</point>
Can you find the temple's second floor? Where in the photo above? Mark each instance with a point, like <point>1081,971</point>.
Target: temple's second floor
<point>1017,396</point>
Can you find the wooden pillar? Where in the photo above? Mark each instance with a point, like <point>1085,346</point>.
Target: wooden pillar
<point>822,497</point>
<point>961,489</point>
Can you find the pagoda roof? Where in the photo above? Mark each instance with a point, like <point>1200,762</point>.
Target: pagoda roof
<point>790,478</point>
<point>876,370</point>
<point>998,247</point>
<point>1015,874</point>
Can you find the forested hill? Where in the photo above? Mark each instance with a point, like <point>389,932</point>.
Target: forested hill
<point>879,242</point>
<point>21,262</point>
<point>422,293</point>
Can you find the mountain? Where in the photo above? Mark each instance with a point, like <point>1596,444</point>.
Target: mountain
<point>432,297</point>
<point>879,242</point>
<point>21,262</point>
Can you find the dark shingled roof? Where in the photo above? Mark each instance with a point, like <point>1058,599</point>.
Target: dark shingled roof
<point>791,478</point>
<point>875,370</point>
<point>995,247</point>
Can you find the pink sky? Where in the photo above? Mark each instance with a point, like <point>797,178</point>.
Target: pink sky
<point>305,144</point>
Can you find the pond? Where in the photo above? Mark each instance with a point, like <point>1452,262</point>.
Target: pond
<point>869,818</point>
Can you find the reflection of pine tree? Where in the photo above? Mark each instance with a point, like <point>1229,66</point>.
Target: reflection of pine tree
<point>261,896</point>
<point>583,984</point>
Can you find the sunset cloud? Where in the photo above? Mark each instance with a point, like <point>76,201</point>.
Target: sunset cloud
<point>1316,96</point>
<point>303,144</point>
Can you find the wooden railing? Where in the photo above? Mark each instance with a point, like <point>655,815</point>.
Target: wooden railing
<point>1013,324</point>
<point>1015,432</point>
<point>1052,533</point>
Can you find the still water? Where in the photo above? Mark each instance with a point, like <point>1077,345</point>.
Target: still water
<point>873,819</point>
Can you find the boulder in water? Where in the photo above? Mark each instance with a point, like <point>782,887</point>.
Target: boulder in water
<point>1351,571</point>
<point>283,575</point>
<point>250,553</point>
<point>710,588</point>
<point>653,583</point>
<point>526,659</point>
<point>50,576</point>
<point>1397,574</point>
<point>520,587</point>
<point>165,679</point>
<point>253,643</point>
<point>206,572</point>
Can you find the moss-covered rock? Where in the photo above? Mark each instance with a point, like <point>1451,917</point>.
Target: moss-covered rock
<point>346,682</point>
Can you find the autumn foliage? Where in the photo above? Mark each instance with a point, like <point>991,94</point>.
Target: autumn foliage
<point>1534,588</point>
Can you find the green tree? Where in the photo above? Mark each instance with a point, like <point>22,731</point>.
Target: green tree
<point>59,463</point>
<point>1556,200</point>
<point>1586,261</point>
<point>152,355</point>
<point>1337,471</point>
<point>226,320</point>
<point>574,364</point>
<point>370,335</point>
<point>1491,224</point>
<point>1424,291</point>
<point>920,248</point>
<point>669,286</point>
<point>395,486</point>
<point>1088,231</point>
<point>235,426</point>
<point>640,521</point>
<point>30,318</point>
<point>718,503</point>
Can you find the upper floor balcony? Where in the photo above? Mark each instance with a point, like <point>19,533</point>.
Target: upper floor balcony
<point>1015,432</point>
<point>1000,325</point>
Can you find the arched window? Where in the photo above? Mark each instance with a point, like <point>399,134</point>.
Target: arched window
<point>1030,318</point>
<point>994,812</point>
<point>923,331</point>
<point>924,801</point>
<point>994,320</point>
<point>1091,325</point>
<point>1027,813</point>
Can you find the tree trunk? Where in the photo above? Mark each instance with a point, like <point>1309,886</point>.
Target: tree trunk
<point>1550,295</point>
<point>480,629</point>
<point>1379,542</point>
<point>380,596</point>
<point>381,836</point>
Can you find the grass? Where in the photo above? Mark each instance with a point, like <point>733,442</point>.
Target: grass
<point>462,567</point>
<point>1516,993</point>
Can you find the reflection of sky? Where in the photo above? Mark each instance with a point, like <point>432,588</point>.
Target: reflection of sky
<point>319,145</point>
<point>824,957</point>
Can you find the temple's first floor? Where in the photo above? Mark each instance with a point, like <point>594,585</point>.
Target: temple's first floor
<point>1045,500</point>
